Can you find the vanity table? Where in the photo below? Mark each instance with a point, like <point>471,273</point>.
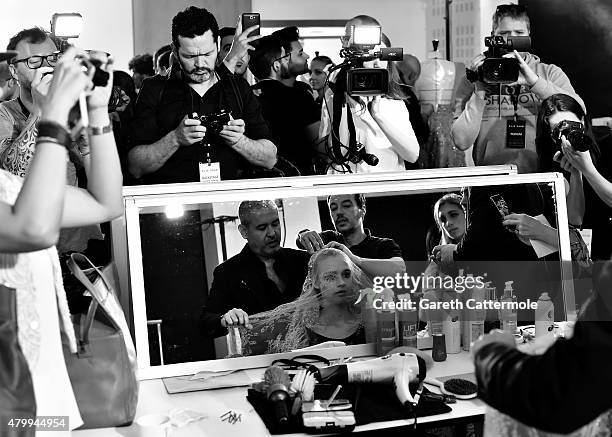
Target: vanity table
<point>154,399</point>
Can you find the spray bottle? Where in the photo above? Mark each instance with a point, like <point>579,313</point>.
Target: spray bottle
<point>544,316</point>
<point>508,312</point>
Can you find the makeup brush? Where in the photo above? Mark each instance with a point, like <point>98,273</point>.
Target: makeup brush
<point>277,393</point>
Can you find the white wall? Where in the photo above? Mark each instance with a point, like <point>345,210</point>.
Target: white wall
<point>107,24</point>
<point>402,20</point>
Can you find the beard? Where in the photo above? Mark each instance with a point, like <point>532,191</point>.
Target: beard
<point>293,70</point>
<point>198,74</point>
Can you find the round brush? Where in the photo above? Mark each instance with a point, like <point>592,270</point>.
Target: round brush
<point>277,382</point>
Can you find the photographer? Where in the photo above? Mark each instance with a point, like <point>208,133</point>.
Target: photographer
<point>31,212</point>
<point>33,68</point>
<point>168,145</point>
<point>356,127</point>
<point>499,120</point>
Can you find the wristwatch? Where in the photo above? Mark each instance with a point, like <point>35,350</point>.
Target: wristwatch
<point>100,130</point>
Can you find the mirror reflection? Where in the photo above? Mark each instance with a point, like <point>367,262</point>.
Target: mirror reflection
<point>264,276</point>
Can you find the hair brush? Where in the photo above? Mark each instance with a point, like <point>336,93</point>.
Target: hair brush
<point>457,387</point>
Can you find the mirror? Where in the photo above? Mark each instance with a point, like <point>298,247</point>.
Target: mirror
<point>177,241</point>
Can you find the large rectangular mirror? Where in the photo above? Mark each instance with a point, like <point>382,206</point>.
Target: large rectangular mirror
<point>176,241</point>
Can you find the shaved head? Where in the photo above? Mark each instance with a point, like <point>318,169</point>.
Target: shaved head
<point>248,208</point>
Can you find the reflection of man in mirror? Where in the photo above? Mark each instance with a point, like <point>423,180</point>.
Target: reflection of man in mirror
<point>374,255</point>
<point>261,277</point>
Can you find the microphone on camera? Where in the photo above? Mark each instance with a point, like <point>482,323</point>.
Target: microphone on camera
<point>277,383</point>
<point>361,155</point>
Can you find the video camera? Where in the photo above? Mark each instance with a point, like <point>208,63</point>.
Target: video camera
<point>496,69</point>
<point>574,133</point>
<point>366,81</point>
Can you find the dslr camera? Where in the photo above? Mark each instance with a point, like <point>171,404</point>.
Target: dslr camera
<point>574,133</point>
<point>214,121</point>
<point>496,69</point>
<point>366,81</point>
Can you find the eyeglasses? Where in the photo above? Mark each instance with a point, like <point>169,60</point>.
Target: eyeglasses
<point>36,61</point>
<point>288,55</point>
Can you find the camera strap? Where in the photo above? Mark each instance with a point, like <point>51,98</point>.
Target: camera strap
<point>515,128</point>
<point>338,101</point>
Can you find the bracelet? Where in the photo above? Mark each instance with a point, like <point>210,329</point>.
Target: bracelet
<point>52,132</point>
<point>100,130</point>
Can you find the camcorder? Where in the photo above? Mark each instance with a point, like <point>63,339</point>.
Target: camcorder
<point>366,81</point>
<point>214,121</point>
<point>496,69</point>
<point>574,133</point>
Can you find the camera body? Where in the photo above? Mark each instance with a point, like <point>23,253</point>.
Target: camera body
<point>214,121</point>
<point>496,69</point>
<point>574,132</point>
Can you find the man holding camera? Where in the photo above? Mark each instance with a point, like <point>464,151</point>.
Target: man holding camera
<point>499,119</point>
<point>33,68</point>
<point>181,130</point>
<point>370,130</point>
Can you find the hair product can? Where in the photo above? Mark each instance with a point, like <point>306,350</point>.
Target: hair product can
<point>408,322</point>
<point>386,333</point>
<point>439,348</point>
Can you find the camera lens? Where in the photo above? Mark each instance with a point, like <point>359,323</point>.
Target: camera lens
<point>578,140</point>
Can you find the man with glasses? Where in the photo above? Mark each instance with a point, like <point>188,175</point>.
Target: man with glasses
<point>32,68</point>
<point>500,120</point>
<point>297,58</point>
<point>291,112</point>
<point>167,144</point>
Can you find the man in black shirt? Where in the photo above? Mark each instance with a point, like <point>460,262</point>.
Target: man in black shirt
<point>291,112</point>
<point>261,277</point>
<point>167,145</point>
<point>374,255</point>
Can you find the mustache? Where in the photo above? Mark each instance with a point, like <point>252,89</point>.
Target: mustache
<point>200,70</point>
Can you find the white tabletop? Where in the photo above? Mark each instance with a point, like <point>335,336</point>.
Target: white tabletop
<point>153,399</point>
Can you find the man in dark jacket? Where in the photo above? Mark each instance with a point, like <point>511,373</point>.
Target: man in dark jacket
<point>260,278</point>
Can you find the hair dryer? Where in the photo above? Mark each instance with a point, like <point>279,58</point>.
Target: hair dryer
<point>401,369</point>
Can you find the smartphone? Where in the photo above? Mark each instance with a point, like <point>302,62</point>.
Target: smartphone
<point>250,19</point>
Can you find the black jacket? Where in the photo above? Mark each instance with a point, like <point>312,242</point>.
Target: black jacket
<point>563,389</point>
<point>242,282</point>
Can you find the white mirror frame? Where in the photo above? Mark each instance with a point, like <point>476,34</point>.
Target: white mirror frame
<point>188,194</point>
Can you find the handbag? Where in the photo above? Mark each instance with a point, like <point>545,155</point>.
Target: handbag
<point>103,371</point>
<point>17,399</point>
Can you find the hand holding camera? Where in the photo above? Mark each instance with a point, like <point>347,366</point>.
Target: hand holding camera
<point>233,132</point>
<point>67,84</point>
<point>573,160</point>
<point>40,86</point>
<point>189,131</point>
<point>100,66</point>
<point>526,75</point>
